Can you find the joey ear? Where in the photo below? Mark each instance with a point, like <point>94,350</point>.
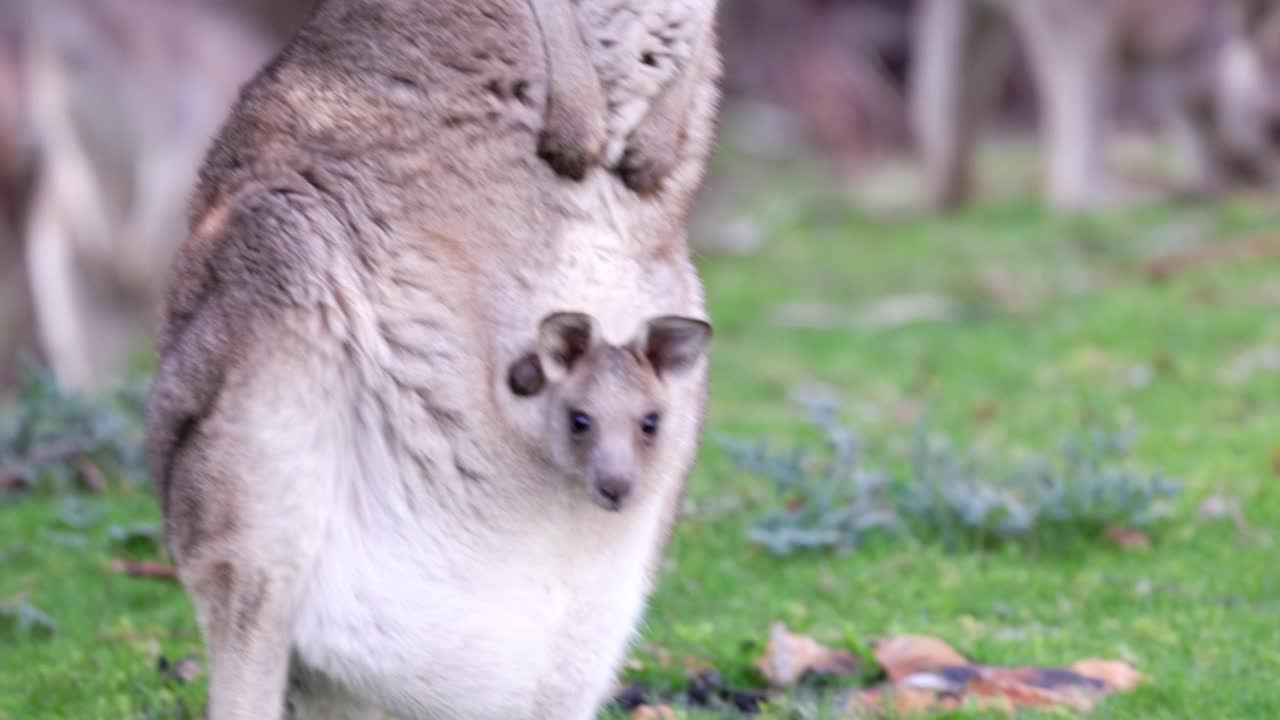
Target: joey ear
<point>563,338</point>
<point>674,344</point>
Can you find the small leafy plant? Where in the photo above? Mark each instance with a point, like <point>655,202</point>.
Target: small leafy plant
<point>1085,489</point>
<point>829,497</point>
<point>50,437</point>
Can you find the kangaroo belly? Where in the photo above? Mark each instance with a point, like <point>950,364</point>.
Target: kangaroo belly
<point>426,619</point>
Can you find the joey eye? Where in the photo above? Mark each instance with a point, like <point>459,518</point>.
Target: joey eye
<point>579,422</point>
<point>649,424</point>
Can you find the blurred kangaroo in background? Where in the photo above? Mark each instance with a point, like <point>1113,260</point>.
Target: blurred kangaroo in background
<point>435,249</point>
<point>109,106</point>
<point>1207,64</point>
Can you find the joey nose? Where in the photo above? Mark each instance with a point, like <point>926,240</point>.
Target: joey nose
<point>612,491</point>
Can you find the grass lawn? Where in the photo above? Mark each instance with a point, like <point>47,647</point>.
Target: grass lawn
<point>1058,327</point>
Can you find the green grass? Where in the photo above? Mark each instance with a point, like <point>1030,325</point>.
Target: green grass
<point>1200,613</point>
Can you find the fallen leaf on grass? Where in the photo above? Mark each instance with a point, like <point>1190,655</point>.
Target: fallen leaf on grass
<point>1117,676</point>
<point>1037,687</point>
<point>986,410</point>
<point>908,654</point>
<point>159,571</point>
<point>892,700</point>
<point>790,657</point>
<point>1128,538</point>
<point>926,675</point>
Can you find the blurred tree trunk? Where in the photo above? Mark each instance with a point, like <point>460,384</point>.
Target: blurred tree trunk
<point>960,48</point>
<point>18,161</point>
<point>17,314</point>
<point>1069,43</point>
<point>17,307</point>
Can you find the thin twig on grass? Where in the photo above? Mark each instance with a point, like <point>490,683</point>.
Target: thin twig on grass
<point>158,571</point>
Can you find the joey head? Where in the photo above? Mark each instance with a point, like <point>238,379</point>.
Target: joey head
<point>605,403</point>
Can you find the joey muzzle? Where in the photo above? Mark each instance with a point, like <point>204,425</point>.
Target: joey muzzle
<point>611,492</point>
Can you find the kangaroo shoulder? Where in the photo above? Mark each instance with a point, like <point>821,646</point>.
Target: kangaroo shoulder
<point>249,260</point>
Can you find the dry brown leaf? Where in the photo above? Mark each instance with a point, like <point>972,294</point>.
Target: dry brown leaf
<point>905,655</point>
<point>1038,687</point>
<point>1116,675</point>
<point>653,712</point>
<point>907,700</point>
<point>986,410</point>
<point>887,698</point>
<point>1128,538</point>
<point>927,675</point>
<point>789,657</point>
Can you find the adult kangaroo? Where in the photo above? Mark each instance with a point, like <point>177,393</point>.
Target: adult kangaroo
<point>426,402</point>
